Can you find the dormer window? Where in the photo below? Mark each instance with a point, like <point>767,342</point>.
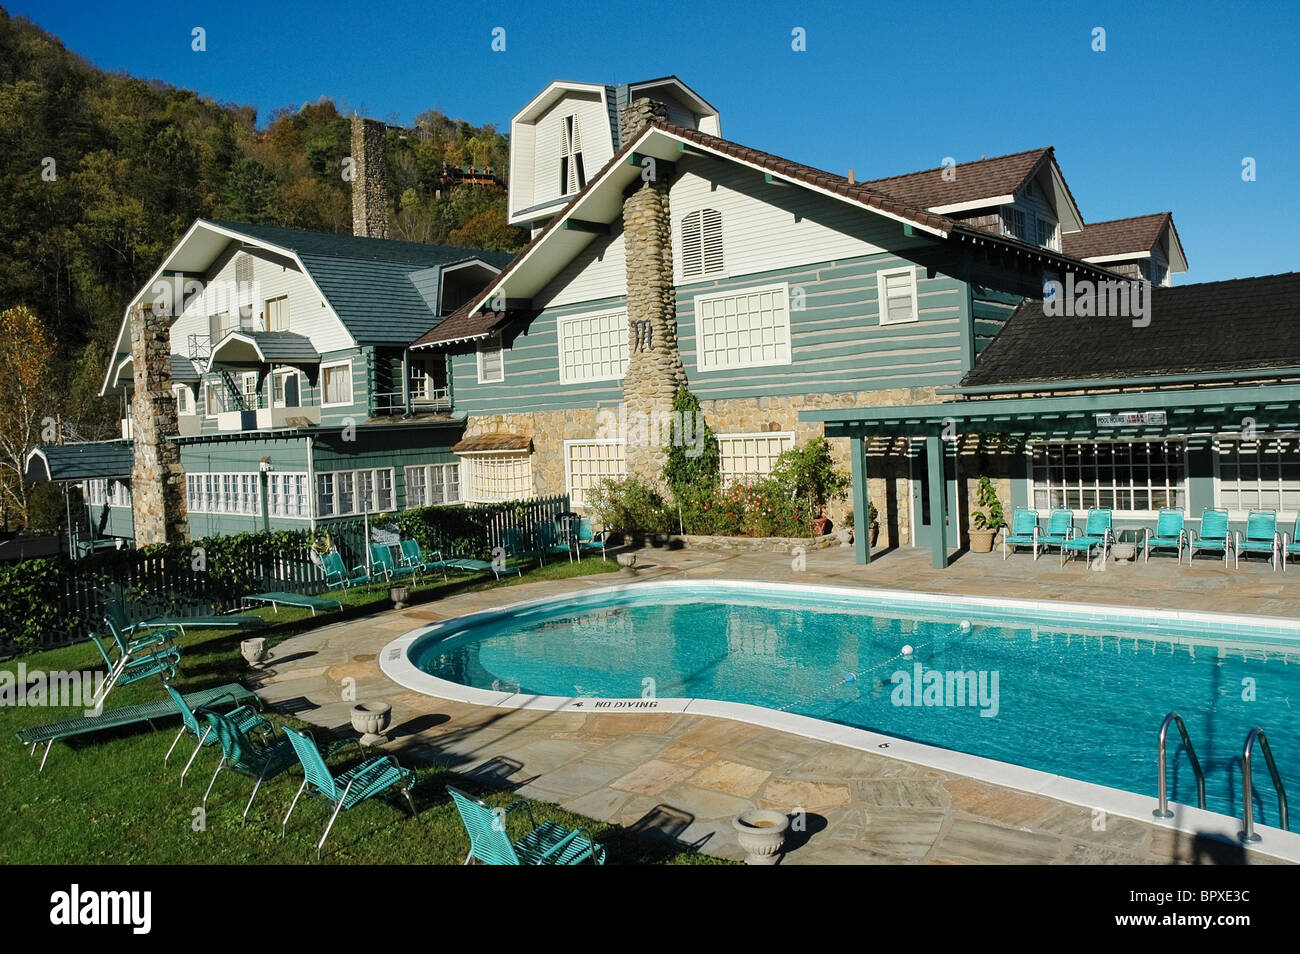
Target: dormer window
<point>1157,271</point>
<point>1049,234</point>
<point>573,175</point>
<point>1013,223</point>
<point>701,243</point>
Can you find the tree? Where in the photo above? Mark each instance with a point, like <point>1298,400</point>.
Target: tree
<point>26,396</point>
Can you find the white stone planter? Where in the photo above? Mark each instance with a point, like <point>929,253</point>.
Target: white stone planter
<point>400,595</point>
<point>254,651</point>
<point>627,562</point>
<point>371,720</point>
<point>761,832</point>
<point>1123,552</point>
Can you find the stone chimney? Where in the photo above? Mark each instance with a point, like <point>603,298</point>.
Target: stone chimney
<point>654,368</point>
<point>157,480</point>
<point>636,114</point>
<point>370,179</point>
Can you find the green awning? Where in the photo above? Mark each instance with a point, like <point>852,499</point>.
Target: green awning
<point>84,461</point>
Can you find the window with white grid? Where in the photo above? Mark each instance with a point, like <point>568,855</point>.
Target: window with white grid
<point>896,293</point>
<point>1262,474</point>
<point>1048,233</point>
<point>743,458</point>
<point>432,484</point>
<point>495,477</point>
<point>587,463</point>
<point>1013,223</point>
<point>1141,476</point>
<point>593,347</point>
<point>287,495</point>
<point>343,492</point>
<point>743,329</point>
<point>239,494</point>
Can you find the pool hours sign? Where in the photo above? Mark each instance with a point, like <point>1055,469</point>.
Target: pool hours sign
<point>1128,418</point>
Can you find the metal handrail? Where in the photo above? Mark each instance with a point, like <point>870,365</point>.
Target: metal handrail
<point>1247,810</point>
<point>1162,788</point>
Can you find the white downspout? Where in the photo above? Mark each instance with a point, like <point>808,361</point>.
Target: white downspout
<point>311,486</point>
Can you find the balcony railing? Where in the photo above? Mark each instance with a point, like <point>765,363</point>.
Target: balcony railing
<point>394,402</point>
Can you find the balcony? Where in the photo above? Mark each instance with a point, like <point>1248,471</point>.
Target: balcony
<point>431,400</point>
<point>267,418</point>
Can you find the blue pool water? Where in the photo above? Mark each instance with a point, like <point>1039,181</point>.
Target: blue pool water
<point>1084,701</point>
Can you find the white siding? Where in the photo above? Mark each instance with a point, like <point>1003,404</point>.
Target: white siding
<point>597,146</point>
<point>769,226</point>
<point>598,271</point>
<point>523,142</point>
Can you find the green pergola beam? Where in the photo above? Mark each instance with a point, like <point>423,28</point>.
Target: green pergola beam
<point>861,520</point>
<point>938,501</point>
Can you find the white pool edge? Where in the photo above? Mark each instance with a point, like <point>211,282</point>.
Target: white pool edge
<point>395,663</point>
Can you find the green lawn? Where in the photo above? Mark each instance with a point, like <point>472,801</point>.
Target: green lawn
<point>106,798</point>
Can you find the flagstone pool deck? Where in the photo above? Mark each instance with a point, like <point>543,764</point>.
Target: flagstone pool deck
<point>685,776</point>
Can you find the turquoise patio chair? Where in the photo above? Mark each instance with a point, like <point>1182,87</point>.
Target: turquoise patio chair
<point>1023,532</point>
<point>512,540</point>
<point>587,540</point>
<point>260,758</point>
<point>1096,533</point>
<point>116,618</point>
<point>337,573</point>
<point>1168,534</point>
<point>129,667</point>
<point>383,564</point>
<point>348,789</point>
<point>551,541</point>
<point>1213,537</point>
<point>1261,537</point>
<point>475,565</point>
<point>124,632</point>
<point>414,556</point>
<point>1291,544</point>
<point>546,844</point>
<point>1060,527</point>
<point>243,716</point>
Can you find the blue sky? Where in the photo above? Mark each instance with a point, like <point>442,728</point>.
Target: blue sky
<point>1161,120</point>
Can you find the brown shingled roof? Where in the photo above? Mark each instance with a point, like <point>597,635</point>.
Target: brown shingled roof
<point>1116,237</point>
<point>981,179</point>
<point>486,443</point>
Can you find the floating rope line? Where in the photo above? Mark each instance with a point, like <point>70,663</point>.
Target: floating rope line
<point>907,652</point>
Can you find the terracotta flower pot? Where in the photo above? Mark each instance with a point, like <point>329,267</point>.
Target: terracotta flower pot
<point>981,541</point>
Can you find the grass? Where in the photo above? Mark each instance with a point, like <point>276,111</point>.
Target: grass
<point>106,798</point>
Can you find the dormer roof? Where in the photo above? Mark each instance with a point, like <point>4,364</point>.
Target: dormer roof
<point>1124,239</point>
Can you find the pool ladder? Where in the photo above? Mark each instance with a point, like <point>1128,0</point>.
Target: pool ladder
<point>1248,835</point>
<point>1162,789</point>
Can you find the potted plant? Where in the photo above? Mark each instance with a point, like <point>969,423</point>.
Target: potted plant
<point>873,522</point>
<point>988,520</point>
<point>810,473</point>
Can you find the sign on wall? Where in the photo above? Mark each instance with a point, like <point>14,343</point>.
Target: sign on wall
<point>1132,417</point>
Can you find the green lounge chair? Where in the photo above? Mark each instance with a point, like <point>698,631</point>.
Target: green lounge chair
<point>383,564</point>
<point>243,716</point>
<point>352,787</point>
<point>546,844</point>
<point>413,556</point>
<point>1213,537</point>
<point>337,573</point>
<point>116,617</point>
<point>299,600</point>
<point>1060,527</point>
<point>1168,534</point>
<point>473,565</point>
<point>262,758</point>
<point>549,541</point>
<point>1023,532</point>
<point>1291,544</point>
<point>512,541</point>
<point>129,668</point>
<point>587,540</point>
<point>124,632</point>
<point>1096,533</point>
<point>51,732</point>
<point>1261,537</point>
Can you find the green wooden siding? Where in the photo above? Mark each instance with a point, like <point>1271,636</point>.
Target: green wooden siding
<point>991,310</point>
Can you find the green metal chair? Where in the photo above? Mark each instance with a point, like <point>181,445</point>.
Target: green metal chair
<point>1096,533</point>
<point>549,541</point>
<point>413,556</point>
<point>513,541</point>
<point>1023,532</point>
<point>1215,536</point>
<point>1261,536</point>
<point>1291,544</point>
<point>1060,527</point>
<point>337,573</point>
<point>546,844</point>
<point>1169,534</point>
<point>350,788</point>
<point>124,631</point>
<point>587,540</point>
<point>259,758</point>
<point>116,618</point>
<point>243,717</point>
<point>383,564</point>
<point>129,667</point>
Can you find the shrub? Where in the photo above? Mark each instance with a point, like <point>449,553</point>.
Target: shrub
<point>990,516</point>
<point>47,509</point>
<point>684,473</point>
<point>811,475</point>
<point>631,505</point>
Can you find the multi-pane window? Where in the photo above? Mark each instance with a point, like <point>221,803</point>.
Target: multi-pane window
<point>277,314</point>
<point>224,493</point>
<point>286,389</point>
<point>701,243</point>
<point>1048,234</point>
<point>573,173</point>
<point>112,493</point>
<point>286,495</point>
<point>896,292</point>
<point>248,386</point>
<point>184,400</point>
<point>1013,223</point>
<point>1262,474</point>
<point>593,347</point>
<point>743,329</point>
<point>214,399</point>
<point>432,484</point>
<point>743,458</point>
<point>587,463</point>
<point>495,477</point>
<point>491,364</point>
<point>336,383</point>
<point>343,492</point>
<point>1140,476</point>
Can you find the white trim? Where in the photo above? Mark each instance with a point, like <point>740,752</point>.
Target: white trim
<point>882,304</point>
<point>1098,259</point>
<point>352,387</point>
<point>1285,518</point>
<point>478,357</point>
<point>427,469</point>
<point>972,203</point>
<point>1116,514</point>
<point>746,435</point>
<point>353,472</point>
<point>563,320</point>
<point>783,287</point>
<point>568,462</point>
<point>470,477</point>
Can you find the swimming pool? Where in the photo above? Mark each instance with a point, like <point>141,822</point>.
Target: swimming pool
<point>1071,690</point>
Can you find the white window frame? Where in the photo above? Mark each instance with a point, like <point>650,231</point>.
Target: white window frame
<point>882,304</point>
<point>471,478</point>
<point>1117,513</point>
<point>560,326</point>
<point>282,375</point>
<point>708,268</point>
<point>1285,518</point>
<point>280,490</point>
<point>701,354</point>
<point>354,477</point>
<point>267,321</point>
<point>255,395</point>
<point>229,493</point>
<point>326,366</point>
<point>1053,233</point>
<point>184,399</point>
<point>427,471</point>
<point>1010,216</point>
<point>218,391</point>
<point>492,343</point>
<point>577,495</point>
<point>728,477</point>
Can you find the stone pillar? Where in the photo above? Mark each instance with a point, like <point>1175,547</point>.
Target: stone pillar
<point>370,179</point>
<point>157,480</point>
<point>636,114</point>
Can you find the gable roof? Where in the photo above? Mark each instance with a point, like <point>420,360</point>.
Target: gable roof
<point>1243,324</point>
<point>1134,236</point>
<point>981,179</point>
<point>82,461</point>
